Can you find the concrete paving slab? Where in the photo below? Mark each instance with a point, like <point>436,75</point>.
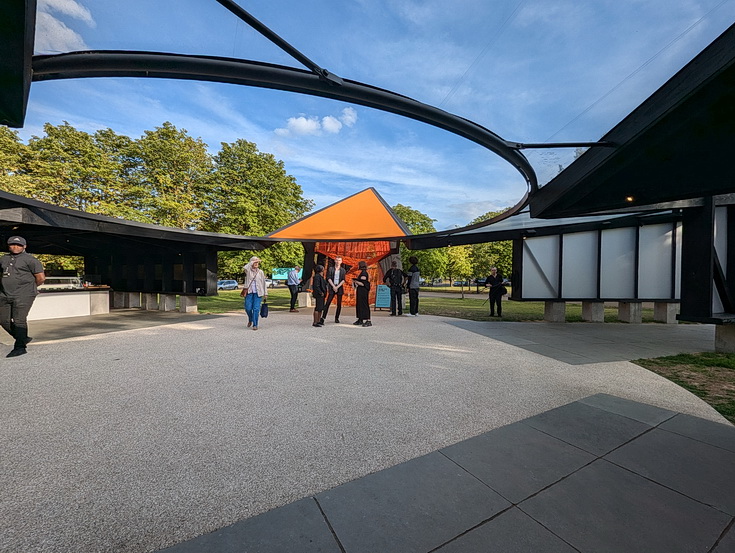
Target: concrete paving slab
<point>718,435</point>
<point>727,542</point>
<point>517,461</point>
<point>415,506</point>
<point>603,508</point>
<point>703,472</point>
<point>647,414</point>
<point>299,526</point>
<point>511,532</point>
<point>589,428</point>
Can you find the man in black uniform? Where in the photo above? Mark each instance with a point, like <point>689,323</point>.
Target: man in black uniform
<point>22,273</point>
<point>395,278</point>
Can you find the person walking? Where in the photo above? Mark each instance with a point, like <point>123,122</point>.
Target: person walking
<point>335,281</point>
<point>362,287</point>
<point>497,291</point>
<point>395,278</point>
<point>293,287</point>
<point>414,281</point>
<point>318,291</point>
<point>22,274</point>
<point>253,291</point>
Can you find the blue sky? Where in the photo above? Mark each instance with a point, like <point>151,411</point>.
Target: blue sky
<point>529,70</point>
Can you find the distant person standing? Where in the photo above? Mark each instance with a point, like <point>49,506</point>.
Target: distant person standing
<point>414,281</point>
<point>253,291</point>
<point>395,279</point>
<point>497,291</point>
<point>22,274</point>
<point>335,281</point>
<point>293,287</point>
<point>362,287</point>
<point>318,291</point>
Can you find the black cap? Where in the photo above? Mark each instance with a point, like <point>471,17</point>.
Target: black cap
<point>19,240</point>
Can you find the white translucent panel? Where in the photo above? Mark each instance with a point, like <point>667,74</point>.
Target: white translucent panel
<point>654,262</point>
<point>579,269</point>
<point>720,241</point>
<point>541,267</point>
<point>721,236</point>
<point>677,286</point>
<point>617,271</point>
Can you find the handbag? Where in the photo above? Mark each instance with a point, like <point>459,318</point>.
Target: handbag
<point>264,309</point>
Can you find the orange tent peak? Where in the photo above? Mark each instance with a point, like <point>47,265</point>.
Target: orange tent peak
<point>362,216</point>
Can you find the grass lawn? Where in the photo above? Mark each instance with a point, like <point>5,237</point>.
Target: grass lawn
<point>710,376</point>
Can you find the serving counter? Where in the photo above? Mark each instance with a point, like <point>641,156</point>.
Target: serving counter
<point>77,302</point>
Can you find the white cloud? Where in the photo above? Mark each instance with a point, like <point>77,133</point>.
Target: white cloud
<point>313,126</point>
<point>349,117</point>
<point>67,7</point>
<point>331,124</point>
<point>52,34</point>
<point>300,126</point>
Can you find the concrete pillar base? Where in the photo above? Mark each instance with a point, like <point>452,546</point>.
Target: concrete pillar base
<point>167,302</point>
<point>119,299</point>
<point>630,312</point>
<point>593,311</point>
<point>725,338</point>
<point>555,311</point>
<point>665,312</point>
<point>133,299</point>
<point>149,301</point>
<point>188,304</point>
<point>305,299</point>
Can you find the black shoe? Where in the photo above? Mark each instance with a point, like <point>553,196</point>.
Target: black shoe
<point>336,320</point>
<point>367,323</point>
<point>392,314</point>
<point>28,340</point>
<point>317,324</point>
<point>321,321</point>
<point>15,352</point>
<point>358,322</point>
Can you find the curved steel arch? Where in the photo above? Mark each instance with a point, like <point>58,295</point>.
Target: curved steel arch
<point>114,63</point>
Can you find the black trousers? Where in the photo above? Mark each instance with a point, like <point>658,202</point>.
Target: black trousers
<point>14,317</point>
<point>413,301</point>
<point>294,289</point>
<point>496,300</point>
<point>396,299</point>
<point>327,303</point>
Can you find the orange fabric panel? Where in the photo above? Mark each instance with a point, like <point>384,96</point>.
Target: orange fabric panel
<point>360,216</point>
<point>352,253</point>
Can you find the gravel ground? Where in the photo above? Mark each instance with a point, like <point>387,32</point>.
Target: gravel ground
<point>133,441</point>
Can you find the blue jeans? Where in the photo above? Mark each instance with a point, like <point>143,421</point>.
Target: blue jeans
<point>252,307</point>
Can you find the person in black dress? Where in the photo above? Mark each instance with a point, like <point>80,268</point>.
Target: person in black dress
<point>497,291</point>
<point>362,287</point>
<point>318,291</point>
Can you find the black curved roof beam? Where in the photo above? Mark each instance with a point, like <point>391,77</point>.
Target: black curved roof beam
<point>112,63</point>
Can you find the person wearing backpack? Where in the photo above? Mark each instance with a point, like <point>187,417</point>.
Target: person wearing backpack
<point>395,278</point>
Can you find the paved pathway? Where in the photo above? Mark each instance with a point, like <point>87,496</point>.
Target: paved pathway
<point>139,439</point>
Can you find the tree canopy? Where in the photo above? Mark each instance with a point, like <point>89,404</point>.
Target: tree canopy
<point>165,177</point>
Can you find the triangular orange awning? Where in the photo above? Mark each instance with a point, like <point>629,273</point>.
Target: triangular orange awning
<point>364,215</point>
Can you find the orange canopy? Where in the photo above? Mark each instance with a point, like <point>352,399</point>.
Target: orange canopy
<point>361,216</point>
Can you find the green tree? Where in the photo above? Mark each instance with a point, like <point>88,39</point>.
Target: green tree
<point>175,169</point>
<point>251,193</point>
<point>485,255</point>
<point>15,160</point>
<point>459,263</point>
<point>432,262</point>
<point>69,169</point>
